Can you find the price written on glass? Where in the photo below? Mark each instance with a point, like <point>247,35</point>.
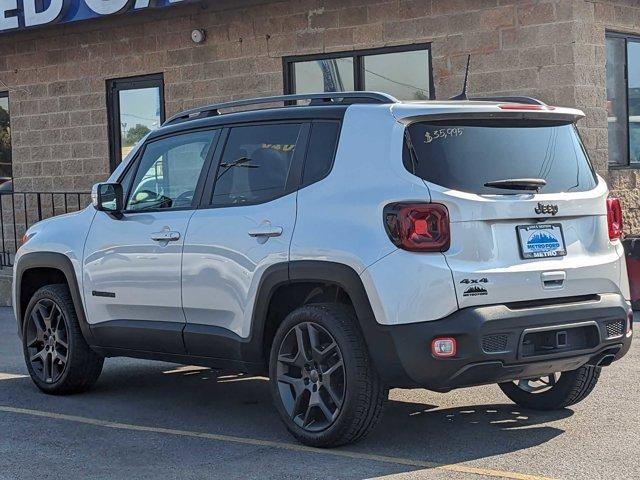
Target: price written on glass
<point>442,134</point>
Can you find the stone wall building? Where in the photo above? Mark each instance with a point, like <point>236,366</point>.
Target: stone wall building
<point>70,86</point>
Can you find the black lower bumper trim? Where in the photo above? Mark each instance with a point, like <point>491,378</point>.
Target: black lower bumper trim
<point>582,330</point>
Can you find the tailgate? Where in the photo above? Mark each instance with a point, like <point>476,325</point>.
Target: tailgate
<point>486,254</point>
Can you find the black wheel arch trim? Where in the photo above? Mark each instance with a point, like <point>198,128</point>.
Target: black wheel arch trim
<point>379,343</point>
<point>57,261</point>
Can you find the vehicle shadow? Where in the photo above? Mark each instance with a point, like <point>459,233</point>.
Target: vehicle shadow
<point>204,400</point>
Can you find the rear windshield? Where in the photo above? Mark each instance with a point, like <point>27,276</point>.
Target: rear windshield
<point>464,155</point>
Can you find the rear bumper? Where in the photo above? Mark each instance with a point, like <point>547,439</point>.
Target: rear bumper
<point>494,343</point>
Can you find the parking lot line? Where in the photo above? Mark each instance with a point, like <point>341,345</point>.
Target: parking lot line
<point>11,376</point>
<point>268,443</point>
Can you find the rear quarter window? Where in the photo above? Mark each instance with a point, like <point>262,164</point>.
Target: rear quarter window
<point>464,155</point>
<point>321,152</point>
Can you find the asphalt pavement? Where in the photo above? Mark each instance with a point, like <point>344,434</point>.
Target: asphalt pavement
<point>159,420</point>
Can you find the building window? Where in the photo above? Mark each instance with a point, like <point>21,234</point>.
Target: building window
<point>136,106</point>
<point>6,173</point>
<point>623,99</point>
<point>404,72</point>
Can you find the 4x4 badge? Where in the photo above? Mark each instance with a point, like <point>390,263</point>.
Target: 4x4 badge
<point>547,209</point>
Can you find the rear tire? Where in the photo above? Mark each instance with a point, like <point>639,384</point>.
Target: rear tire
<point>58,358</point>
<point>572,387</point>
<point>329,393</point>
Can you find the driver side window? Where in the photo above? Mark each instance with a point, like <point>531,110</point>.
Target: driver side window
<point>168,172</point>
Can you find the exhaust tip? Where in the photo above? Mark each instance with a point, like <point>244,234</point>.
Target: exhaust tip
<point>606,360</point>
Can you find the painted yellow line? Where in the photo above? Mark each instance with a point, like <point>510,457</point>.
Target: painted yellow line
<point>282,445</point>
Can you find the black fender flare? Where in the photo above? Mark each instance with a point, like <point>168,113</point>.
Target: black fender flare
<point>59,262</point>
<point>379,342</point>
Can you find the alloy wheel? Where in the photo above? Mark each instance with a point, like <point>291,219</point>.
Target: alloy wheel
<point>311,376</point>
<point>47,341</point>
<point>538,385</point>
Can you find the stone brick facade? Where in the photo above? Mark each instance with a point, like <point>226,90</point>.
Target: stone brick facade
<point>550,49</point>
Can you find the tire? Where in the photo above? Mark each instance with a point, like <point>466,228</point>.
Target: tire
<point>341,376</point>
<point>571,388</point>
<point>58,358</point>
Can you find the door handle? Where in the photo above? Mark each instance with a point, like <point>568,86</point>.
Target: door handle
<point>266,232</point>
<point>165,236</point>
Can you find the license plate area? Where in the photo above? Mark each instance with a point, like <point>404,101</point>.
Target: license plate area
<point>540,342</point>
<point>542,240</point>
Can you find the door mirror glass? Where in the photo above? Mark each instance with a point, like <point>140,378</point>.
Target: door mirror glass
<point>107,197</point>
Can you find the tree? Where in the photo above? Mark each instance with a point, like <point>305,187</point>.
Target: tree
<point>134,134</point>
<point>5,137</point>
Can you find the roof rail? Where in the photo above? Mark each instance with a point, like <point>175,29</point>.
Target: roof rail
<point>525,100</point>
<point>316,99</point>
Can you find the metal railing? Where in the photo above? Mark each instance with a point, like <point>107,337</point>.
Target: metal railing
<point>20,210</point>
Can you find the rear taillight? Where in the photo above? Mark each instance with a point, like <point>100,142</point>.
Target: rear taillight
<point>614,218</point>
<point>418,227</point>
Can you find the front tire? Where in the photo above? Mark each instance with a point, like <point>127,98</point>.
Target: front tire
<point>58,358</point>
<point>323,382</point>
<point>555,391</point>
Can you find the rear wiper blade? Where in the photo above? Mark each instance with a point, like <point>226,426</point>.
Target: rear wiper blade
<point>518,183</point>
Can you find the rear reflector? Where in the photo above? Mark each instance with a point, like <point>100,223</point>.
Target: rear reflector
<point>418,227</point>
<point>614,218</point>
<point>444,347</point>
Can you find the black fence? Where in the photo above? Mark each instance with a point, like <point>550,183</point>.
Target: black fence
<point>20,210</point>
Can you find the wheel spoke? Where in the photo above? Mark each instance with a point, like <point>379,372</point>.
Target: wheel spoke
<point>39,355</point>
<point>302,344</point>
<point>46,318</point>
<point>337,399</point>
<point>60,357</point>
<point>56,318</point>
<point>306,420</point>
<point>62,343</point>
<point>48,364</point>
<point>332,369</point>
<point>38,322</point>
<point>330,416</point>
<point>314,343</point>
<point>33,342</point>
<point>296,383</point>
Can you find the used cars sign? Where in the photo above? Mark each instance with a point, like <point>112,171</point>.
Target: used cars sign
<point>21,14</point>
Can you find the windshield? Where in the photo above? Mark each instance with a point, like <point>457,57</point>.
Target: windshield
<point>464,155</point>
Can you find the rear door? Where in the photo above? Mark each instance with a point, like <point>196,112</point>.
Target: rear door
<point>243,227</point>
<point>510,244</point>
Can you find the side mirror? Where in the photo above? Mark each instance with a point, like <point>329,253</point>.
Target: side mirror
<point>107,197</point>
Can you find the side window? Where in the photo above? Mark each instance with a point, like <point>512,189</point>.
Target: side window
<point>168,172</point>
<point>321,151</point>
<point>255,164</point>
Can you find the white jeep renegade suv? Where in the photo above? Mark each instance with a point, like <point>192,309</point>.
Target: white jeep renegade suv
<point>342,247</point>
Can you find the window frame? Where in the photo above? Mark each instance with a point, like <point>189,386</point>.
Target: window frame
<point>294,178</point>
<point>634,38</point>
<point>134,166</point>
<point>5,94</point>
<point>114,87</point>
<point>288,64</point>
